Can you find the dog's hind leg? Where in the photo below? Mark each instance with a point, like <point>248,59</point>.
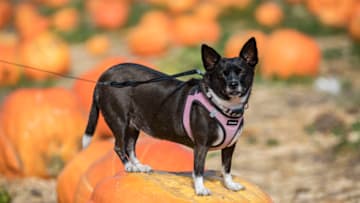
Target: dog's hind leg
<point>131,136</point>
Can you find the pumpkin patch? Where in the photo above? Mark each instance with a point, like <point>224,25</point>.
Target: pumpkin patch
<point>308,65</point>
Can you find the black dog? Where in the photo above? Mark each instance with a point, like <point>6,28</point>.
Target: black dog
<point>158,109</point>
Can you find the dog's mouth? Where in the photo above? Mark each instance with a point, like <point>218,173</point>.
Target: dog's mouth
<point>236,93</point>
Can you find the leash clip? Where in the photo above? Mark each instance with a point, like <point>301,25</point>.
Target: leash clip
<point>199,72</point>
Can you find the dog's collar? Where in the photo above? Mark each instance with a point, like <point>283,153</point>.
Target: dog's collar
<point>228,109</point>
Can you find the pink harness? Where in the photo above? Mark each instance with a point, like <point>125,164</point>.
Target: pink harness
<point>230,126</point>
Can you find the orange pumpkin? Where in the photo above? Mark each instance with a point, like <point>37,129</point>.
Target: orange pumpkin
<point>98,45</point>
<point>354,25</point>
<point>149,151</point>
<point>108,14</point>
<point>290,53</point>
<point>175,188</point>
<point>47,52</point>
<point>28,22</point>
<point>192,30</point>
<point>269,14</point>
<point>66,19</point>
<point>9,74</point>
<point>5,12</point>
<point>69,177</point>
<point>336,13</point>
<point>237,41</point>
<point>180,6</point>
<point>44,127</point>
<point>84,90</point>
<point>155,24</point>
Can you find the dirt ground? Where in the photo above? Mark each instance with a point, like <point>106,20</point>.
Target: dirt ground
<point>276,151</point>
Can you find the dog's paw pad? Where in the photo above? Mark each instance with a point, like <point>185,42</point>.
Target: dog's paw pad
<point>234,186</point>
<point>203,191</point>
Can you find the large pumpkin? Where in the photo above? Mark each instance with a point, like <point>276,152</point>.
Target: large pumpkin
<point>168,187</point>
<point>44,127</point>
<point>149,151</point>
<point>290,53</point>
<point>108,14</point>
<point>9,74</point>
<point>69,177</point>
<point>237,41</point>
<point>84,90</point>
<point>46,52</point>
<point>155,24</point>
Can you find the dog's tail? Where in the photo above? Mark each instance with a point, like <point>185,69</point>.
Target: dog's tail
<point>92,122</point>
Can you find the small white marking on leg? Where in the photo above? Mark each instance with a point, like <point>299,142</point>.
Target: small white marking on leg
<point>133,158</point>
<point>230,184</point>
<point>137,166</point>
<point>200,189</point>
<point>86,139</point>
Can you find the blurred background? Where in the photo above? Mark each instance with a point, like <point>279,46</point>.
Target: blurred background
<point>301,140</point>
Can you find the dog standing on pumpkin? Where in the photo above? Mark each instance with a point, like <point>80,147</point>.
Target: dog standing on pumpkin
<point>204,114</point>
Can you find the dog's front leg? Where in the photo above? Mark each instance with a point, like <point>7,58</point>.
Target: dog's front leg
<point>198,174</point>
<point>226,157</point>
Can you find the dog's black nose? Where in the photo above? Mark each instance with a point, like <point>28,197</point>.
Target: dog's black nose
<point>233,84</point>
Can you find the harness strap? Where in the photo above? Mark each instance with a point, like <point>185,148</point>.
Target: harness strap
<point>230,126</point>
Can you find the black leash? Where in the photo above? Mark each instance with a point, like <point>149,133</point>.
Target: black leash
<point>116,84</point>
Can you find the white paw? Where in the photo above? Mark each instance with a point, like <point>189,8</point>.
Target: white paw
<point>203,191</point>
<point>200,189</point>
<point>86,139</point>
<point>230,184</point>
<point>130,167</point>
<point>234,186</point>
<point>143,168</point>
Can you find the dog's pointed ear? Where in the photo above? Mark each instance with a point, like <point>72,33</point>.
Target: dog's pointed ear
<point>249,52</point>
<point>209,57</point>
